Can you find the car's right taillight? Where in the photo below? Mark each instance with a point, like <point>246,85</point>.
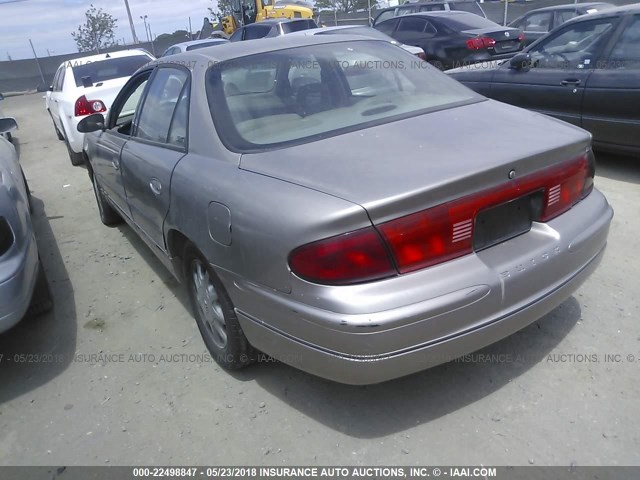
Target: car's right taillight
<point>422,56</point>
<point>85,107</point>
<point>6,236</point>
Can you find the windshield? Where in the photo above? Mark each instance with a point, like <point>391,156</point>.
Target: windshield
<point>362,31</point>
<point>468,21</point>
<point>298,95</point>
<point>104,70</point>
<point>205,44</point>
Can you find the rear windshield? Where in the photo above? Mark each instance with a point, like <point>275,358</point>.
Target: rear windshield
<point>467,22</point>
<point>302,94</point>
<point>204,45</point>
<point>291,27</point>
<point>362,31</point>
<point>108,69</point>
<point>471,7</point>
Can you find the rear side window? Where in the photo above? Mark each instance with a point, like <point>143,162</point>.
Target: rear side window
<point>564,16</point>
<point>537,22</point>
<point>412,24</point>
<point>387,27</point>
<point>159,106</point>
<point>436,7</point>
<point>108,69</point>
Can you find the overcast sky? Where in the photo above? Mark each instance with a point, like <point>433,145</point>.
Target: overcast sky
<point>49,23</point>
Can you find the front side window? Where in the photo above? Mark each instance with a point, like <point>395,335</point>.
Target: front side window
<point>387,27</point>
<point>158,109</point>
<point>412,25</point>
<point>124,109</point>
<point>537,22</point>
<point>300,94</point>
<point>576,46</point>
<point>257,31</point>
<point>564,16</point>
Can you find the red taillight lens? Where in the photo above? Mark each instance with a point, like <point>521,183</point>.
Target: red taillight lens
<point>479,43</point>
<point>422,56</point>
<point>354,257</point>
<point>435,235</point>
<point>445,232</point>
<point>521,37</point>
<point>87,107</point>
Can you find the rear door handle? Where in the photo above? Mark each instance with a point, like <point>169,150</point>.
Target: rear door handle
<point>155,186</point>
<point>571,81</point>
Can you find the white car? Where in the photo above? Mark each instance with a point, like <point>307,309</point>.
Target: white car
<point>88,85</point>
<point>365,31</point>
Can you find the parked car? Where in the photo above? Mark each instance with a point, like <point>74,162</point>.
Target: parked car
<point>584,72</point>
<point>350,235</point>
<point>23,283</point>
<point>537,23</point>
<point>452,39</point>
<point>7,134</point>
<point>365,31</point>
<point>434,6</point>
<point>193,45</point>
<point>272,28</point>
<point>87,85</point>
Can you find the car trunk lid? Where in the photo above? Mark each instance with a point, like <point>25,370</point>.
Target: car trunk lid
<point>405,166</point>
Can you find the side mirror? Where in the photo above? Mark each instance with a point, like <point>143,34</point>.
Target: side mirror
<point>8,124</point>
<point>92,123</point>
<point>1,96</point>
<point>520,61</point>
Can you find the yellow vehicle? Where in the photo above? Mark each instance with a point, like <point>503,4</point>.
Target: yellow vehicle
<point>251,11</point>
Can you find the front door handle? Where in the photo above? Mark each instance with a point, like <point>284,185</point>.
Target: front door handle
<point>570,81</point>
<point>115,165</point>
<point>155,186</point>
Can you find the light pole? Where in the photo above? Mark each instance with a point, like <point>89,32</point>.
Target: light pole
<point>146,30</point>
<point>133,30</point>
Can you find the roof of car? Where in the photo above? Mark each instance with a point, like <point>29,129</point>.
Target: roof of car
<point>234,50</point>
<point>198,42</point>
<point>105,56</point>
<point>571,6</point>
<point>441,14</point>
<point>422,2</point>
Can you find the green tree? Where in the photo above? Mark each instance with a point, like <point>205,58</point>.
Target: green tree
<point>97,32</point>
<point>221,9</point>
<point>346,6</point>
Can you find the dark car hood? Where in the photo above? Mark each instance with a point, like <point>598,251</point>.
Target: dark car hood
<point>403,166</point>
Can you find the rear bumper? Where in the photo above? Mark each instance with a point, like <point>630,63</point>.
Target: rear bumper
<point>376,332</point>
<point>16,287</point>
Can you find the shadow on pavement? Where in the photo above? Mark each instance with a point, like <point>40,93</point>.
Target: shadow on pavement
<point>378,410</point>
<point>618,167</point>
<point>38,349</point>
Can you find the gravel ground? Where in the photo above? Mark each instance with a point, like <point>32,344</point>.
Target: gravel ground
<point>152,398</point>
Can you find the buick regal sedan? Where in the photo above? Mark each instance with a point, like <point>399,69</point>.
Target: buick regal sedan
<point>323,211</point>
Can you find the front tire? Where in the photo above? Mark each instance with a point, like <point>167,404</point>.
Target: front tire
<point>108,214</point>
<point>214,313</point>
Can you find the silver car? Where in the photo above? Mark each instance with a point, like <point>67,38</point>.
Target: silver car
<point>343,207</point>
<point>23,285</point>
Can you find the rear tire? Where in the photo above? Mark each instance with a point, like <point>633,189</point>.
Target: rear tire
<point>214,313</point>
<point>108,214</point>
<point>42,300</point>
<point>55,127</point>
<point>76,158</point>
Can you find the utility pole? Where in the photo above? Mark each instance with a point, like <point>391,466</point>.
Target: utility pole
<point>133,30</point>
<point>37,61</point>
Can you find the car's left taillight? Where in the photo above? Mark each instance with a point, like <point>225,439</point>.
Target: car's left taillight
<point>480,43</point>
<point>6,236</point>
<point>422,56</point>
<point>353,257</point>
<point>85,107</point>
